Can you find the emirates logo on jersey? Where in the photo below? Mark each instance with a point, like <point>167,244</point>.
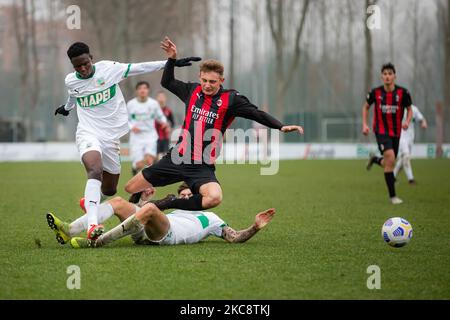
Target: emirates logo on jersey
<point>389,109</point>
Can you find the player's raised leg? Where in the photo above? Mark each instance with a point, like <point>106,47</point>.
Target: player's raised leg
<point>208,196</point>
<point>149,217</point>
<point>92,161</point>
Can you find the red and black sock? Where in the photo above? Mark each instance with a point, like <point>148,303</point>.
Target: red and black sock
<point>390,182</point>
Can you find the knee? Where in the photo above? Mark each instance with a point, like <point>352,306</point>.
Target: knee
<point>109,191</point>
<point>146,212</point>
<point>212,200</point>
<point>117,203</point>
<point>389,164</point>
<point>129,187</point>
<point>95,172</point>
<point>406,159</point>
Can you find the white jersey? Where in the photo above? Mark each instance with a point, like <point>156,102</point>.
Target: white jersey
<point>408,135</point>
<point>143,115</point>
<point>101,108</point>
<point>192,227</point>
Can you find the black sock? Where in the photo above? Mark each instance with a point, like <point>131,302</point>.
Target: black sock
<point>135,197</point>
<point>194,203</point>
<point>378,160</point>
<point>390,182</point>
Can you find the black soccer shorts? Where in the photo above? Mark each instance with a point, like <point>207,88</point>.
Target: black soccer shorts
<point>386,142</point>
<point>165,172</point>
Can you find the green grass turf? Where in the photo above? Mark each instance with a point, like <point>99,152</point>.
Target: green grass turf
<point>324,236</point>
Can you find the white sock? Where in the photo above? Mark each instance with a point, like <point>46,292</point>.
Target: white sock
<point>92,200</point>
<point>105,211</point>
<point>129,226</point>
<point>408,168</point>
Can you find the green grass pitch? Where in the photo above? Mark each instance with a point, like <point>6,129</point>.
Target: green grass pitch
<point>324,236</point>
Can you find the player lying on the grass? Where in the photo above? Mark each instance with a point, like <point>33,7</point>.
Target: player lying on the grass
<point>406,144</point>
<point>149,225</point>
<point>102,120</point>
<point>209,111</point>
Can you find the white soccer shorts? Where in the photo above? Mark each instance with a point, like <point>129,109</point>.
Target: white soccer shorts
<point>141,146</point>
<point>109,150</point>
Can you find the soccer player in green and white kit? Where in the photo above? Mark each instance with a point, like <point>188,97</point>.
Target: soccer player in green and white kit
<point>102,119</point>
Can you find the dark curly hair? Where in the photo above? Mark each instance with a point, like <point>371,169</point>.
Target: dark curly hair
<point>77,49</point>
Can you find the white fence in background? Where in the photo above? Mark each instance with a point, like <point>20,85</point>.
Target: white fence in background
<point>68,152</point>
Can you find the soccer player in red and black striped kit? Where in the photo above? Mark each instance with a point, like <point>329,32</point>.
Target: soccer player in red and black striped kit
<point>390,103</point>
<point>210,109</point>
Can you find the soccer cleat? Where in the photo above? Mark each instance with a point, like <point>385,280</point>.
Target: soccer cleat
<point>396,200</point>
<point>82,205</point>
<point>60,228</point>
<point>95,231</point>
<point>412,182</point>
<point>80,243</point>
<point>372,159</point>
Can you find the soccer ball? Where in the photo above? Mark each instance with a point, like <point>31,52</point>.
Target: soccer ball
<point>396,232</point>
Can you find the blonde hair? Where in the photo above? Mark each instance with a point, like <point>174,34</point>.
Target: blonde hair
<point>212,65</point>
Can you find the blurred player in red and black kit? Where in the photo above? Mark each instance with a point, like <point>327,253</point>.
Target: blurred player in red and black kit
<point>390,103</point>
<point>210,109</point>
<point>163,133</point>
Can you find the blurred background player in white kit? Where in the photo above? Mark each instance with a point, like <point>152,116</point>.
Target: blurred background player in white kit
<point>143,113</point>
<point>406,144</point>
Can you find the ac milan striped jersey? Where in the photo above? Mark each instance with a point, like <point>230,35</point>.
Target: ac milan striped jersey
<point>207,117</point>
<point>389,109</point>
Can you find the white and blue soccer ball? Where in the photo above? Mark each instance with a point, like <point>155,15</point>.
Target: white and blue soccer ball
<point>397,232</point>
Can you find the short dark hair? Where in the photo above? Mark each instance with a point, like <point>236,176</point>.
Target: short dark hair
<point>182,187</point>
<point>388,66</point>
<point>143,83</point>
<point>77,49</point>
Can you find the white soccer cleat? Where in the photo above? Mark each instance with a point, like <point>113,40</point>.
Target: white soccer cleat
<point>396,200</point>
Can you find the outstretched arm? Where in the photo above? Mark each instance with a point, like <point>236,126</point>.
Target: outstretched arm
<point>242,107</point>
<point>134,69</point>
<point>261,220</point>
